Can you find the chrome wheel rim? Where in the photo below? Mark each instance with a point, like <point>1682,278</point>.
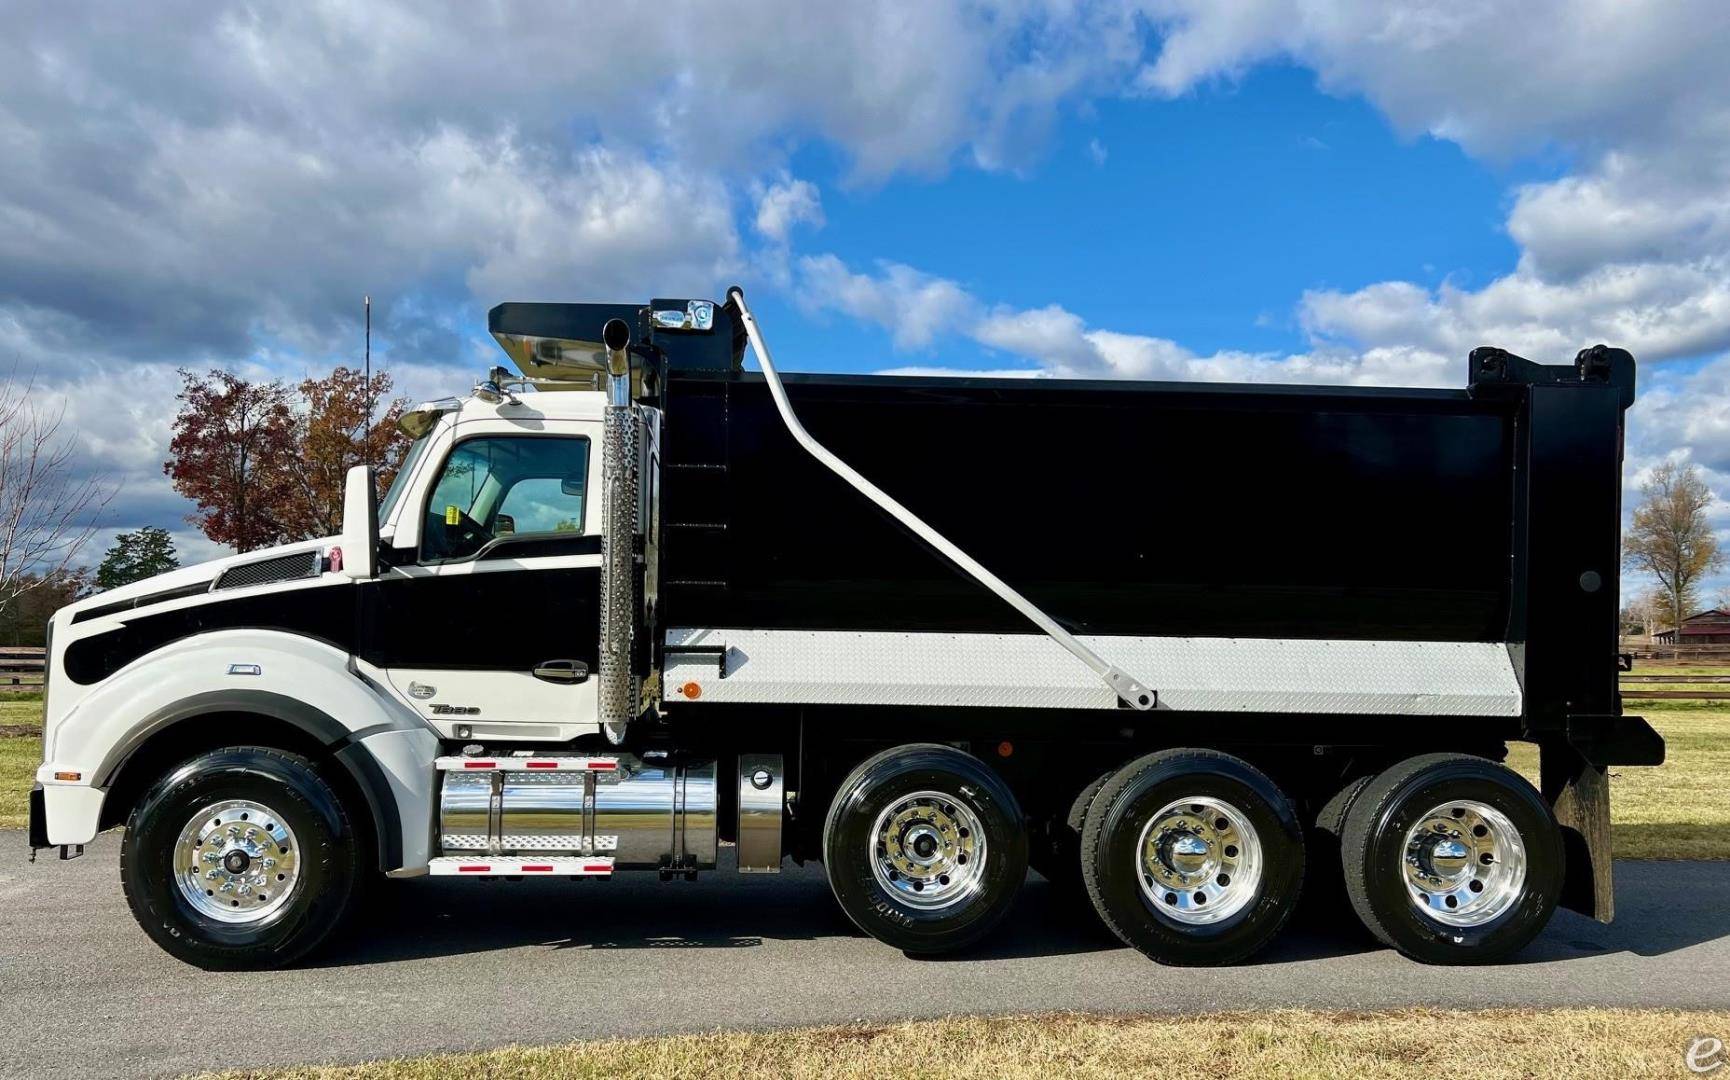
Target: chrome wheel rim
<point>928,850</point>
<point>237,861</point>
<point>1199,860</point>
<point>1464,863</point>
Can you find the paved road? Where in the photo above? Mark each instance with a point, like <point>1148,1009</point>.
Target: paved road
<point>452,965</point>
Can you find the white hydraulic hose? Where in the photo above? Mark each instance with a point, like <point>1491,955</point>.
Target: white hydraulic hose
<point>1128,689</point>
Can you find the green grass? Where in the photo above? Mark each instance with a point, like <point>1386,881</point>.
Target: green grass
<point>14,711</point>
<point>18,761</point>
<point>1528,1044</point>
<point>1677,810</point>
<point>19,756</point>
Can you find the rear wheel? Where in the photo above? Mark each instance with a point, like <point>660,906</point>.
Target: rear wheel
<point>239,858</point>
<point>1193,857</point>
<point>1452,859</point>
<point>925,848</point>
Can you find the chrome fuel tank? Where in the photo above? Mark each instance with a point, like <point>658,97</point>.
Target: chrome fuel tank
<point>645,814</point>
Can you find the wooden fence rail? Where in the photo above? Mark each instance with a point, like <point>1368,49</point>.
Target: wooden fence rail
<point>21,668</point>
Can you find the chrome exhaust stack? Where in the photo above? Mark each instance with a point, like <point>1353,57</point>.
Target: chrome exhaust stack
<point>617,688</point>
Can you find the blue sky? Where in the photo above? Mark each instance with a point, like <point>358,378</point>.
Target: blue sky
<point>1348,191</point>
<point>1204,221</point>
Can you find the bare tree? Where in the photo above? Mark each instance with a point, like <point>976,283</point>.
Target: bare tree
<point>47,513</point>
<point>1671,539</point>
<point>1646,613</point>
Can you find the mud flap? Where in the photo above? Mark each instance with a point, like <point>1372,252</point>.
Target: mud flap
<point>38,820</point>
<point>1579,793</point>
<point>1575,779</point>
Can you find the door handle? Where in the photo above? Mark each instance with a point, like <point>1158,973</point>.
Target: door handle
<point>561,671</point>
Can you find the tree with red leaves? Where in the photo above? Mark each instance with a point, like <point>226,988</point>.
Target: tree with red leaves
<point>266,469</point>
<point>332,434</point>
<point>233,443</point>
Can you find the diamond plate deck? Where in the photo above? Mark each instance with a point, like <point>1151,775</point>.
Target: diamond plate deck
<point>846,667</point>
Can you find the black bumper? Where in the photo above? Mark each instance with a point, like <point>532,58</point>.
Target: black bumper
<point>1616,740</point>
<point>38,818</point>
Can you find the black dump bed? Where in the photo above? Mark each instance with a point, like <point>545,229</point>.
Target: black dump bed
<point>1489,513</point>
<point>1120,509</point>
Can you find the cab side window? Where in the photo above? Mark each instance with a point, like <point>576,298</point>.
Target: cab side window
<point>497,487</point>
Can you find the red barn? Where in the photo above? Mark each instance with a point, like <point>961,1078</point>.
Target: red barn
<point>1702,628</point>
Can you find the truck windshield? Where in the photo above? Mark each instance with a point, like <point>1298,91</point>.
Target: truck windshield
<point>400,481</point>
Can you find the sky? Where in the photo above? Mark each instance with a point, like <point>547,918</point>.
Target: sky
<point>1341,191</point>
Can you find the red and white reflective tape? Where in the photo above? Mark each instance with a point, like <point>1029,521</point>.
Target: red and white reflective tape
<point>527,764</point>
<point>487,866</point>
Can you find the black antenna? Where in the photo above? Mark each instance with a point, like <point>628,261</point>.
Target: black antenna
<point>366,432</point>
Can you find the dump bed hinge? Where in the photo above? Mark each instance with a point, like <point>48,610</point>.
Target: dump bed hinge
<point>1129,690</point>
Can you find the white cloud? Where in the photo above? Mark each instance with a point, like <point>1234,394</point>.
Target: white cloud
<point>192,186</point>
<point>911,305</point>
<point>1499,79</point>
<point>198,180</point>
<point>786,203</point>
<point>918,309</point>
<point>1633,247</point>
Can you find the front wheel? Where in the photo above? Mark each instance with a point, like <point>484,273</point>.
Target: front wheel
<point>1452,859</point>
<point>239,858</point>
<point>925,848</point>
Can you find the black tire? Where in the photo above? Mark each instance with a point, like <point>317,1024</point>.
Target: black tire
<point>1373,854</point>
<point>1058,857</point>
<point>850,849</point>
<point>1111,859</point>
<point>1325,902</point>
<point>327,859</point>
<point>1331,818</point>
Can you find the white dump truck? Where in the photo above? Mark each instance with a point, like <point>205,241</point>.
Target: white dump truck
<point>1181,645</point>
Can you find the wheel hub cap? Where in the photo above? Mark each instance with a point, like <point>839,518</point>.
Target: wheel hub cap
<point>236,861</point>
<point>1199,860</point>
<point>928,850</point>
<point>1465,863</point>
